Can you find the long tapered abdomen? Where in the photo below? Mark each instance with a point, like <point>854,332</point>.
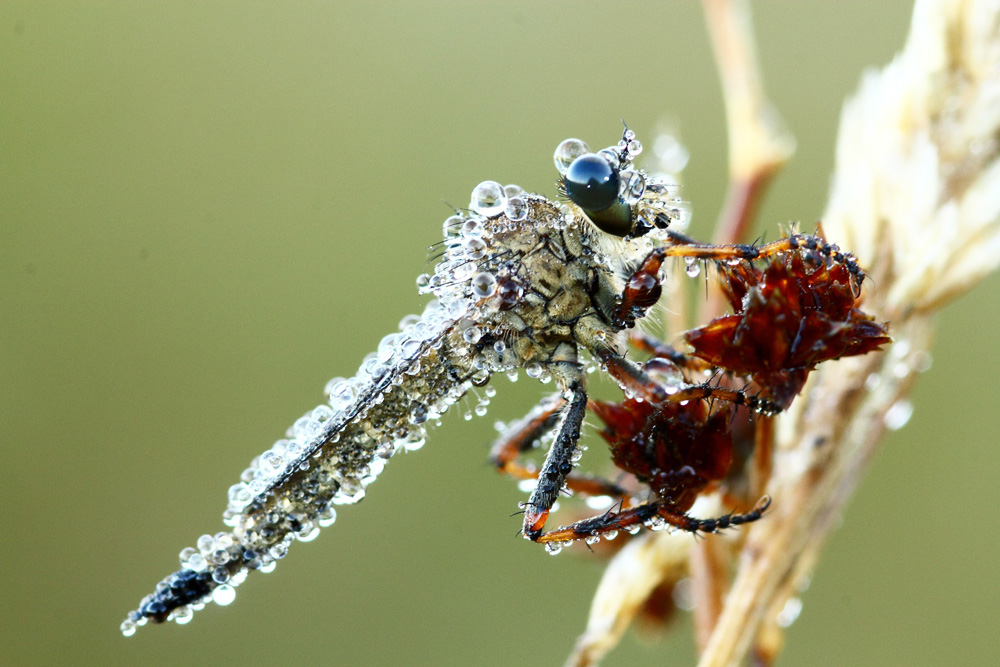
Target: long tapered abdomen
<point>329,457</point>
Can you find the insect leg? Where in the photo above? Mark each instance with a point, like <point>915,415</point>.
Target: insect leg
<point>642,290</point>
<point>633,379</point>
<point>686,247</point>
<point>559,461</point>
<point>659,512</point>
<point>646,343</point>
<point>524,435</point>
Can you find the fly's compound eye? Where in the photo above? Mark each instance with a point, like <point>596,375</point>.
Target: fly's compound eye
<point>594,184</point>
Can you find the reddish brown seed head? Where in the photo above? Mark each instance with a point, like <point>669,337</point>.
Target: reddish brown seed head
<point>796,311</point>
<point>677,449</point>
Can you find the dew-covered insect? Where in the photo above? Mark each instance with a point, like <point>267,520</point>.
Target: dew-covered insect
<point>522,283</point>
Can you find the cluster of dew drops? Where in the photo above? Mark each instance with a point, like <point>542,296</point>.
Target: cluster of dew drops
<point>454,302</point>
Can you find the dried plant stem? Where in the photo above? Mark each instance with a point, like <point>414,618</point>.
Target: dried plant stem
<point>759,144</point>
<point>763,456</point>
<point>834,442</point>
<point>709,572</point>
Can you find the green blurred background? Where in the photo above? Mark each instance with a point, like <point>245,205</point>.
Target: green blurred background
<point>206,211</point>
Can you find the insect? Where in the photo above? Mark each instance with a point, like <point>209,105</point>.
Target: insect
<point>523,282</point>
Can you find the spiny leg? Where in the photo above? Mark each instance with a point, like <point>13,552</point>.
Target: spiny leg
<point>635,380</point>
<point>559,460</point>
<point>654,512</point>
<point>687,247</point>
<point>646,343</point>
<point>524,435</point>
<point>642,290</point>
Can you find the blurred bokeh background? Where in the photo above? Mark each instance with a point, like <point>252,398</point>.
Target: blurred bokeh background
<point>208,210</point>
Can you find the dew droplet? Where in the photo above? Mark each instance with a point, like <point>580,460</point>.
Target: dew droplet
<point>205,544</point>
<point>681,215</point>
<point>342,395</point>
<point>475,248</point>
<point>488,199</point>
<point>322,413</point>
<point>128,628</point>
<point>553,548</point>
<point>452,226</point>
<point>484,285</point>
<point>790,612</point>
<point>533,370</point>
<point>517,209</point>
<point>472,227</point>
<point>410,320</point>
<point>224,595</point>
<point>633,186</point>
<point>567,151</point>
<point>307,534</point>
<point>513,190</point>
<point>328,389</point>
<point>409,348</point>
<point>610,154</point>
<point>306,429</point>
<point>480,362</point>
<point>183,615</point>
<point>693,269</point>
<point>327,517</point>
<point>293,449</point>
<point>239,496</point>
<point>898,415</point>
<point>463,271</point>
<point>196,563</point>
<point>350,493</point>
<point>418,414</point>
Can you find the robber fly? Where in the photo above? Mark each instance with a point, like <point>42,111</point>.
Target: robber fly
<point>523,282</point>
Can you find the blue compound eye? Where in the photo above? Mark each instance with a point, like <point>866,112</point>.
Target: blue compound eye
<point>592,183</point>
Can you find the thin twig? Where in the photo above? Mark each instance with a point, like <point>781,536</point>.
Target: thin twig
<point>759,143</point>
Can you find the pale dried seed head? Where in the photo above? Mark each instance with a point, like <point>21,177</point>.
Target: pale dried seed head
<point>916,189</point>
